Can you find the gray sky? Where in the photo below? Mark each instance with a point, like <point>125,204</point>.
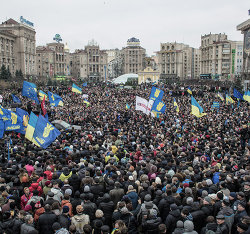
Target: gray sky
<point>112,22</point>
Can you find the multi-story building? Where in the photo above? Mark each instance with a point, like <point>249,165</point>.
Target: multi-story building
<point>236,58</point>
<point>90,63</point>
<point>115,63</point>
<point>178,61</point>
<point>19,46</point>
<point>8,51</point>
<point>134,56</point>
<point>245,29</point>
<point>53,60</point>
<point>215,55</point>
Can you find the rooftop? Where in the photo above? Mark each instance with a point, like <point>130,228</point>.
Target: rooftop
<point>244,26</point>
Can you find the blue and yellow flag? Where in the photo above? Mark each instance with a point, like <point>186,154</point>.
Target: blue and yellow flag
<point>246,96</point>
<point>76,89</point>
<point>15,99</point>
<point>45,133</point>
<point>237,94</point>
<point>14,122</point>
<point>229,100</point>
<point>158,106</point>
<point>3,114</point>
<point>31,126</point>
<point>216,105</point>
<point>86,102</point>
<point>30,91</point>
<point>55,100</point>
<point>1,128</point>
<point>24,115</point>
<point>42,95</point>
<point>220,96</point>
<point>127,106</point>
<point>189,91</point>
<point>196,109</point>
<point>156,94</point>
<point>176,106</point>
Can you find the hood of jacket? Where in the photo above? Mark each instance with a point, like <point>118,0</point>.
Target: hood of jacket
<point>188,226</point>
<point>175,213</point>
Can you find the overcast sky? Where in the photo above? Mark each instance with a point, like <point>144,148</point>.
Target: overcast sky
<point>112,22</point>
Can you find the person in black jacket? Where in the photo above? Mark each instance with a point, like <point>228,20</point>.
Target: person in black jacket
<point>75,202</point>
<point>151,222</point>
<point>107,206</point>
<point>172,218</point>
<point>46,221</point>
<point>64,218</point>
<point>74,181</point>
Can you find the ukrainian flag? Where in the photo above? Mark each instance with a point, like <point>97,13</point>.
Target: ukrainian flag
<point>76,89</point>
<point>229,100</point>
<point>31,127</point>
<point>4,114</point>
<point>42,95</point>
<point>220,96</point>
<point>127,106</point>
<point>176,106</point>
<point>86,102</point>
<point>246,96</point>
<point>189,91</point>
<point>197,110</point>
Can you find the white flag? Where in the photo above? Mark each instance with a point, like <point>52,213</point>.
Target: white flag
<point>142,105</point>
<point>85,96</point>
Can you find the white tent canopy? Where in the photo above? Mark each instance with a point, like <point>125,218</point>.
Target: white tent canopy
<point>124,78</point>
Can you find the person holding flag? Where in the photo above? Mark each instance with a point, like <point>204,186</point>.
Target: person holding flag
<point>55,100</point>
<point>196,109</point>
<point>176,106</point>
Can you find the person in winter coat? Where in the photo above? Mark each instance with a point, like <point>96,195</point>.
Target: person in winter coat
<point>133,196</point>
<point>35,186</point>
<point>66,202</point>
<point>222,228</point>
<point>28,225</point>
<point>80,219</point>
<point>57,192</point>
<point>29,168</point>
<point>74,181</point>
<point>117,193</point>
<point>89,207</point>
<point>64,218</point>
<point>189,227</point>
<point>46,221</point>
<point>75,202</point>
<point>151,222</point>
<point>25,197</point>
<point>129,220</point>
<point>107,206</point>
<point>179,228</point>
<point>227,212</point>
<point>65,175</point>
<point>172,218</point>
<point>58,229</point>
<point>9,225</point>
<point>210,226</point>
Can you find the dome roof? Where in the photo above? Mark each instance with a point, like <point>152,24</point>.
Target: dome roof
<point>66,48</point>
<point>124,78</point>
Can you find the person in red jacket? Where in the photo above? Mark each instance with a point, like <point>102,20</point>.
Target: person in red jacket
<point>36,186</point>
<point>25,198</point>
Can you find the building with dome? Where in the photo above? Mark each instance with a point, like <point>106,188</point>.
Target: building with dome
<point>53,60</point>
<point>133,56</point>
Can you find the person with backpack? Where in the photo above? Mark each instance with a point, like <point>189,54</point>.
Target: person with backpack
<point>80,219</point>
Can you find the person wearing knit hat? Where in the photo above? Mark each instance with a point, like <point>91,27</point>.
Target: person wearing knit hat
<point>99,213</point>
<point>242,227</point>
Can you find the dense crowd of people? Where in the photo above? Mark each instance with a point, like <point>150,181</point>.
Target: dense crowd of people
<point>127,172</point>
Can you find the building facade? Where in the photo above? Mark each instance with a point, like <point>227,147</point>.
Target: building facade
<point>216,56</point>
<point>133,56</point>
<point>115,63</point>
<point>8,51</point>
<point>91,63</point>
<point>236,59</point>
<point>245,30</point>
<point>22,46</point>
<point>53,60</point>
<point>178,61</point>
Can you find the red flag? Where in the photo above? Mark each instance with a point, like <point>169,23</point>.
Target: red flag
<point>43,106</point>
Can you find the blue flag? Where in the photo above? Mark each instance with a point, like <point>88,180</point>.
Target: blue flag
<point>24,115</point>
<point>84,84</point>
<point>216,105</point>
<point>1,128</point>
<point>13,123</point>
<point>158,106</point>
<point>156,94</point>
<point>45,133</point>
<point>30,91</point>
<point>3,113</point>
<point>237,94</point>
<point>55,100</point>
<point>15,99</point>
